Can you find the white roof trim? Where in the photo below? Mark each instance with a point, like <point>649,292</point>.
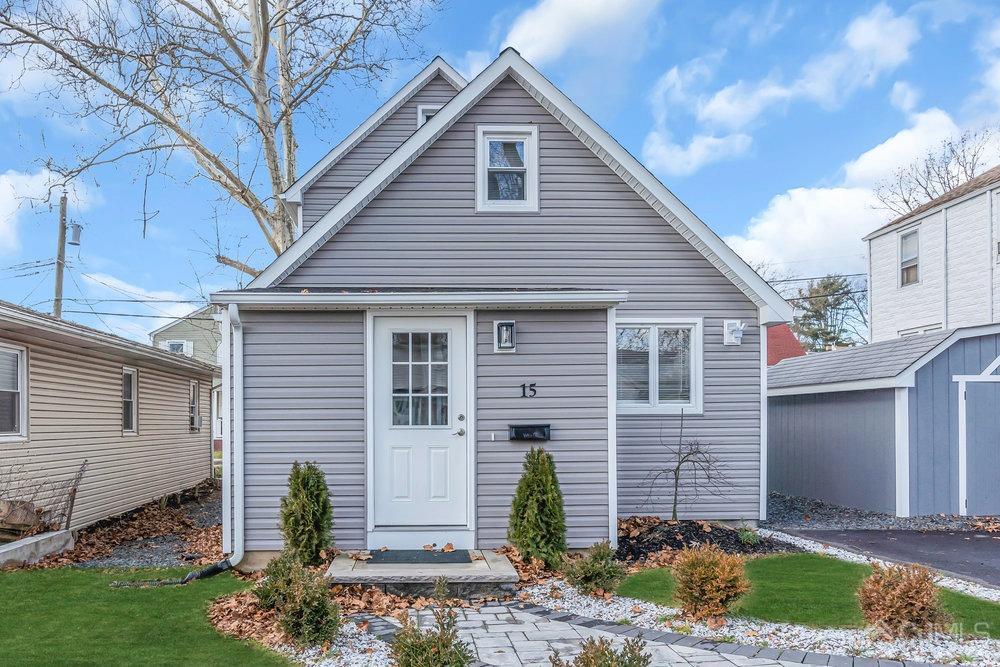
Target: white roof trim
<point>362,300</point>
<point>437,66</point>
<point>599,141</point>
<point>893,226</point>
<point>906,378</point>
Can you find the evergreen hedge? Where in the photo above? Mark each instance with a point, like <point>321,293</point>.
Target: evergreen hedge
<point>537,524</point>
<point>307,514</point>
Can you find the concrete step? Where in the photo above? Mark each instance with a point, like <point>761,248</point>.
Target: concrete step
<point>487,574</point>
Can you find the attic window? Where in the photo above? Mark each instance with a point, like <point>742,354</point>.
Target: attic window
<point>425,112</point>
<point>909,258</point>
<point>507,168</point>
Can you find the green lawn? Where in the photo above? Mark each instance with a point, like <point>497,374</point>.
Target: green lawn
<point>72,616</point>
<point>812,590</point>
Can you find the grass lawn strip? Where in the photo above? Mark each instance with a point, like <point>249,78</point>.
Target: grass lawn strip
<point>794,596</point>
<point>952,583</point>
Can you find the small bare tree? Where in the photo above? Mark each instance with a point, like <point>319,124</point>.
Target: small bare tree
<point>227,82</point>
<point>688,460</point>
<point>944,168</point>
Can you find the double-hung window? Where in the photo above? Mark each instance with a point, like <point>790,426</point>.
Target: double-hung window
<point>194,412</point>
<point>130,400</point>
<point>659,366</point>
<point>507,168</point>
<point>909,258</point>
<point>13,393</point>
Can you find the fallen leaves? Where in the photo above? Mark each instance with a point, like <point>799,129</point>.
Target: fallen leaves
<point>530,571</point>
<point>448,548</point>
<point>207,543</point>
<point>240,616</point>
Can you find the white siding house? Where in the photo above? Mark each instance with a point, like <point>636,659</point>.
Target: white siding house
<point>936,267</point>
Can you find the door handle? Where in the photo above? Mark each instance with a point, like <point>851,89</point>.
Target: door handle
<point>459,432</point>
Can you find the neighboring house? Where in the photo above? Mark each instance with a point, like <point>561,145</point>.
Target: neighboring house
<point>69,393</point>
<point>197,336</point>
<point>936,267</point>
<point>497,275</point>
<point>906,426</point>
<point>782,344</point>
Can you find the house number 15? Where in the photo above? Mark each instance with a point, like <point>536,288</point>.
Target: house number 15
<point>528,390</point>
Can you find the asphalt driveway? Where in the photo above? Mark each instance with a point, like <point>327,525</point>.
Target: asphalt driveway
<point>971,555</point>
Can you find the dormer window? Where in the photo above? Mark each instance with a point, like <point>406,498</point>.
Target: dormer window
<point>425,112</point>
<point>507,168</point>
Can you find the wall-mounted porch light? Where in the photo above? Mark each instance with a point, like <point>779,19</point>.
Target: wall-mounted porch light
<point>504,336</point>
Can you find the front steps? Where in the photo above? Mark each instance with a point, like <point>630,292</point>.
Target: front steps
<point>488,574</point>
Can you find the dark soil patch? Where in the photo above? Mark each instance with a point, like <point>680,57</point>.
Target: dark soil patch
<point>638,537</point>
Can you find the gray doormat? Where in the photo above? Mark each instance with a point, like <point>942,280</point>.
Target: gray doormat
<point>418,557</point>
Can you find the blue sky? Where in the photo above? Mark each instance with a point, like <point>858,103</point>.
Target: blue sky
<point>770,119</point>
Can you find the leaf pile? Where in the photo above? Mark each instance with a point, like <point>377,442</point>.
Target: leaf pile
<point>639,537</point>
<point>530,570</point>
<point>986,524</point>
<point>358,600</point>
<point>207,543</point>
<point>240,616</point>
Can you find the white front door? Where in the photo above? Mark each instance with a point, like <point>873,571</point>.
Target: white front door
<point>420,427</point>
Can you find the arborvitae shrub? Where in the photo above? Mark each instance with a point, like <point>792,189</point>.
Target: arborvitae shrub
<point>537,524</point>
<point>708,581</point>
<point>274,589</point>
<point>597,571</point>
<point>307,514</point>
<point>438,646</point>
<point>902,601</point>
<point>308,614</point>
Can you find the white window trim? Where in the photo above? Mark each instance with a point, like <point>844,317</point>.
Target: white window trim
<point>899,256</point>
<point>135,400</point>
<point>421,108</point>
<point>197,404</point>
<point>187,345</point>
<point>526,133</point>
<point>695,406</point>
<point>22,388</point>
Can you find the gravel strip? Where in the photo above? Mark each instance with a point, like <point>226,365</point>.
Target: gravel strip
<point>352,648</point>
<point>953,583</point>
<point>790,512</point>
<point>165,551</point>
<point>943,649</point>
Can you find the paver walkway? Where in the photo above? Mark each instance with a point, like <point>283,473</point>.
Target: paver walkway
<point>510,636</point>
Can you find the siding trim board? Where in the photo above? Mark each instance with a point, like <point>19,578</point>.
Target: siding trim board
<point>664,202</point>
<point>612,428</point>
<point>902,451</point>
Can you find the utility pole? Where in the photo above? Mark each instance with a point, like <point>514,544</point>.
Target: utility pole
<point>60,258</point>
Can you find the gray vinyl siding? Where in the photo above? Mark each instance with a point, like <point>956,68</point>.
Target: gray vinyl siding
<point>75,414</point>
<point>838,447</point>
<point>203,332</point>
<point>934,424</point>
<point>347,172</point>
<point>565,353</point>
<point>303,401</point>
<point>593,231</point>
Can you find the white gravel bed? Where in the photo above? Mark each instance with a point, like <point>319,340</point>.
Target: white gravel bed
<point>961,585</point>
<point>945,649</point>
<point>352,648</point>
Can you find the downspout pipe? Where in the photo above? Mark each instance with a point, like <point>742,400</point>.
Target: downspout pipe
<point>239,508</point>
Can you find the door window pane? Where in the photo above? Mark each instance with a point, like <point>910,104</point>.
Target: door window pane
<point>674,365</point>
<point>633,365</point>
<point>419,386</point>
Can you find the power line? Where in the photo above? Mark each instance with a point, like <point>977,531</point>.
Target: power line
<point>823,296</point>
<point>158,317</point>
<point>834,275</point>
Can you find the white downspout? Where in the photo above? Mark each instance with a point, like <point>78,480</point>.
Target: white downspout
<point>239,505</point>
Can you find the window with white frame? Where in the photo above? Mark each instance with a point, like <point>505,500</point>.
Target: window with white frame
<point>659,366</point>
<point>909,258</point>
<point>13,392</point>
<point>507,168</point>
<point>425,112</point>
<point>130,400</point>
<point>184,347</point>
<point>194,400</point>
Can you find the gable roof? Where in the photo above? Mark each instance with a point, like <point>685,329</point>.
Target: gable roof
<point>986,179</point>
<point>437,67</point>
<point>889,363</point>
<point>178,320</point>
<point>619,160</point>
<point>782,344</point>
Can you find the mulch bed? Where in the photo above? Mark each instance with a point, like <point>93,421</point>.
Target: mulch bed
<point>642,537</point>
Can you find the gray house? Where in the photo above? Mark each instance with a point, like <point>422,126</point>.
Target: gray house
<point>482,268</point>
<point>909,426</point>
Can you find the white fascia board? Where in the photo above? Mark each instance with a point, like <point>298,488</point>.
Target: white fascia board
<point>293,195</point>
<point>361,300</point>
<point>894,226</point>
<point>831,387</point>
<point>966,332</point>
<point>179,320</point>
<point>599,141</point>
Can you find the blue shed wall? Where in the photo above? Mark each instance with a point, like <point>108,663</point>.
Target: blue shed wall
<point>933,409</point>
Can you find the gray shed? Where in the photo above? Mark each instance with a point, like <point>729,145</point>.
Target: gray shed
<point>909,426</point>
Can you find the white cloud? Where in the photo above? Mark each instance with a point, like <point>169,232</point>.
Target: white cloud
<point>873,44</point>
<point>758,26</point>
<point>814,231</point>
<point>927,130</point>
<point>545,32</point>
<point>904,96</point>
<point>474,62</point>
<point>19,191</point>
<point>140,303</point>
